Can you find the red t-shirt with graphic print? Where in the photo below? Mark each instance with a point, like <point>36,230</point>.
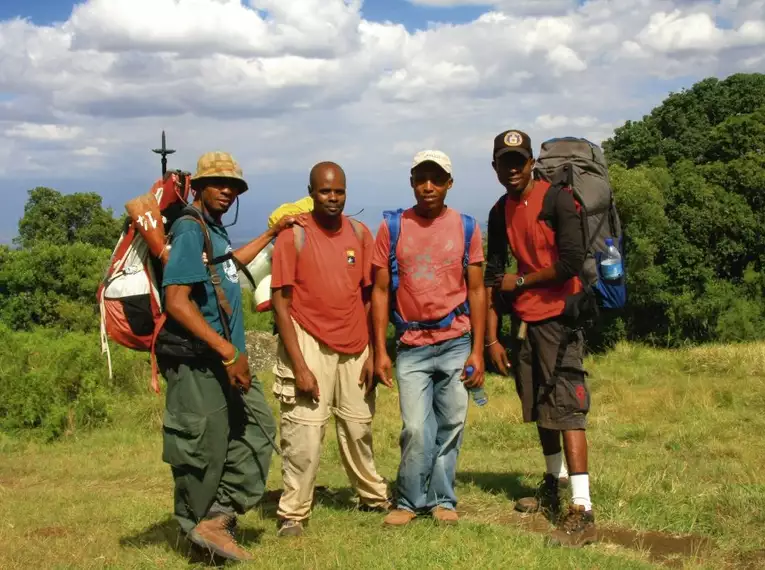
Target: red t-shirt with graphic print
<point>431,280</point>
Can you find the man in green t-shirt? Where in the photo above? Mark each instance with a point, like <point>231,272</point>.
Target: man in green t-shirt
<point>219,452</point>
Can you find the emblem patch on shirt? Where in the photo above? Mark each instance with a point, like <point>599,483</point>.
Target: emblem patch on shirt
<point>350,256</point>
<point>232,274</point>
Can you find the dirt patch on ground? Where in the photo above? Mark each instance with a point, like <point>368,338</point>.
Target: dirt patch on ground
<point>667,549</point>
<point>261,348</point>
<point>754,560</point>
<point>661,548</point>
<point>49,532</point>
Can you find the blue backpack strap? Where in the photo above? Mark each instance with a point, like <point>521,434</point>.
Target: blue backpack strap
<point>393,221</point>
<point>468,227</point>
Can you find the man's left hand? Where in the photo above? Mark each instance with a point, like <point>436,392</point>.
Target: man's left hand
<point>287,222</point>
<point>476,379</point>
<point>367,377</point>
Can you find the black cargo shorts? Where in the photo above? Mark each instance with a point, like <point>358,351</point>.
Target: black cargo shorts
<point>549,374</point>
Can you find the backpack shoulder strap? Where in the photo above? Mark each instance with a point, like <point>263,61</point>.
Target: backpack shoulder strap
<point>468,227</point>
<point>393,221</point>
<point>358,229</point>
<point>224,307</point>
<point>549,205</point>
<point>193,214</point>
<point>298,237</point>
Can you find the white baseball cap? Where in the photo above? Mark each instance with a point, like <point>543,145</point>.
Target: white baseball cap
<point>436,156</point>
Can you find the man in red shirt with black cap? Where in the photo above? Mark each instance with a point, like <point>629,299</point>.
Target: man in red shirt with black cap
<point>547,348</point>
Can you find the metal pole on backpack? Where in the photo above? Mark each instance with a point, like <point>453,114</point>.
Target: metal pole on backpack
<point>163,152</point>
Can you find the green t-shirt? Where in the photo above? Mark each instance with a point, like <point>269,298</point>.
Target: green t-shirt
<point>185,267</point>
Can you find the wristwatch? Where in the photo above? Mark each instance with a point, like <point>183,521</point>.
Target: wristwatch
<point>519,282</point>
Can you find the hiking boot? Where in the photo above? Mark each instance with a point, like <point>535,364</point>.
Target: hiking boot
<point>216,535</point>
<point>546,499</point>
<point>443,515</point>
<point>576,529</point>
<point>399,517</point>
<point>385,507</point>
<point>290,529</point>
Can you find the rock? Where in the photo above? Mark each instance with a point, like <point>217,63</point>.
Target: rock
<point>261,348</point>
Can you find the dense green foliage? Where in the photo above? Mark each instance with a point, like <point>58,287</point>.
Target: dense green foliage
<point>51,279</point>
<point>689,181</point>
<point>51,285</point>
<point>52,383</point>
<point>50,216</point>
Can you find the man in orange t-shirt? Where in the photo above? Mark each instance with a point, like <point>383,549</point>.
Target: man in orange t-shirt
<point>432,359</point>
<point>321,280</point>
<point>547,346</point>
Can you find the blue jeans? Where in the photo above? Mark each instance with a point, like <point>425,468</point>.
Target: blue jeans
<point>434,404</point>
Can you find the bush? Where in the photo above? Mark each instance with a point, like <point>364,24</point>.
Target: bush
<point>55,384</point>
<point>688,182</point>
<point>51,285</point>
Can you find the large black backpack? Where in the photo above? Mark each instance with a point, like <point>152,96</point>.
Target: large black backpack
<point>580,165</point>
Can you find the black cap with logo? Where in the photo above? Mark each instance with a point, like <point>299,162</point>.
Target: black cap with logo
<point>513,141</point>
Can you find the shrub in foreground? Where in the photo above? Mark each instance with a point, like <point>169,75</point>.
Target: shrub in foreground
<point>54,384</point>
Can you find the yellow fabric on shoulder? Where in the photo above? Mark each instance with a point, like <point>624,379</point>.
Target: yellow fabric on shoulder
<point>302,206</point>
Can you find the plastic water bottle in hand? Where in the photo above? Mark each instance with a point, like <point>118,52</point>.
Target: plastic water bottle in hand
<point>479,395</point>
<point>611,262</point>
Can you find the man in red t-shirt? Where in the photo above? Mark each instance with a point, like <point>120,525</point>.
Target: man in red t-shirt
<point>547,347</point>
<point>321,280</point>
<point>430,362</point>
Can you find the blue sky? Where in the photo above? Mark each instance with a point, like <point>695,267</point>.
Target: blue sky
<point>412,16</point>
<point>83,98</point>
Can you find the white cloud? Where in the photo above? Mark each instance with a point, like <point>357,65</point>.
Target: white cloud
<point>558,121</point>
<point>39,132</point>
<point>284,84</point>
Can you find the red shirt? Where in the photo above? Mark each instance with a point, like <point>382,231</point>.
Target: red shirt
<point>327,278</point>
<point>532,243</point>
<point>431,282</point>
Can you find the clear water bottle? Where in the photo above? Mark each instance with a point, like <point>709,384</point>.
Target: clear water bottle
<point>478,394</point>
<point>611,262</point>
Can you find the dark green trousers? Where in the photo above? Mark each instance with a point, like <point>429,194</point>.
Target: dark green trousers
<point>219,456</point>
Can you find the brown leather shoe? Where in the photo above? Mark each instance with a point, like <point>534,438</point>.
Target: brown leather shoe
<point>216,535</point>
<point>399,517</point>
<point>546,499</point>
<point>445,516</point>
<point>576,529</point>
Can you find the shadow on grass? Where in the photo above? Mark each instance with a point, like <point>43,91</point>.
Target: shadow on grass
<point>168,531</point>
<point>509,484</point>
<point>342,499</point>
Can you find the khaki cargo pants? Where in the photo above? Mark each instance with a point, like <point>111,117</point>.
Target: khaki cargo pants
<point>304,422</point>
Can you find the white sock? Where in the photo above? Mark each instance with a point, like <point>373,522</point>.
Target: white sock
<point>580,490</point>
<point>555,465</point>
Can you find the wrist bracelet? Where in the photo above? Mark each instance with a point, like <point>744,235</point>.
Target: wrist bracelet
<point>491,343</point>
<point>228,363</point>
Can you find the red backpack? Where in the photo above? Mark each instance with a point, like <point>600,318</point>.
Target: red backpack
<point>129,295</point>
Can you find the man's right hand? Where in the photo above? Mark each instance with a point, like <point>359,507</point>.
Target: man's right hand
<point>498,357</point>
<point>305,381</point>
<point>384,368</point>
<point>239,374</point>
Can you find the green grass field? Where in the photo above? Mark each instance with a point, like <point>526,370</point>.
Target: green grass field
<point>677,468</point>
